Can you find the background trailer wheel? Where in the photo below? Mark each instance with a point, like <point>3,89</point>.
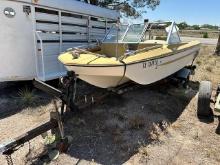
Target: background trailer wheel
<point>204,99</point>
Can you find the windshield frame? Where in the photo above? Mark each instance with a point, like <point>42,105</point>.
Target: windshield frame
<point>173,26</point>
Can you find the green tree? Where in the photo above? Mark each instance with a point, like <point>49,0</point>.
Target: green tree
<point>212,27</point>
<point>183,25</point>
<point>196,27</point>
<point>131,8</point>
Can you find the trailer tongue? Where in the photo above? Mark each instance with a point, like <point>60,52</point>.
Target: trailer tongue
<point>56,120</point>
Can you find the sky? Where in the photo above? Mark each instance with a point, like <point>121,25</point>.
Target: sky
<point>192,11</point>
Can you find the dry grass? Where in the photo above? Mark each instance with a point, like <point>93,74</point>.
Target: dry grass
<point>114,126</point>
<point>208,66</point>
<point>198,62</point>
<point>136,122</point>
<point>156,131</point>
<point>78,121</point>
<point>205,77</point>
<point>143,150</point>
<point>199,33</point>
<point>209,69</point>
<point>118,138</point>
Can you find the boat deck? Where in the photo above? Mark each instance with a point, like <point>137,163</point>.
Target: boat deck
<point>90,59</point>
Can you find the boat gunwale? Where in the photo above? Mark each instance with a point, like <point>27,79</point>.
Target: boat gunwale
<point>135,62</point>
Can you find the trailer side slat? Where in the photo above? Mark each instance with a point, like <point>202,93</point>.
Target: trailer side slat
<point>69,28</point>
<point>73,20</point>
<point>47,27</point>
<point>46,17</point>
<point>94,37</point>
<point>74,37</point>
<point>71,45</point>
<point>97,23</point>
<point>96,30</point>
<point>52,49</point>
<point>56,37</point>
<point>49,36</point>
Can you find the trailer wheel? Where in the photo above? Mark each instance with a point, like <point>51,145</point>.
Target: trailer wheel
<point>186,82</point>
<point>218,90</point>
<point>204,99</point>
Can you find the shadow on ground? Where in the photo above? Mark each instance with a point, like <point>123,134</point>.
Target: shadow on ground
<point>16,96</point>
<point>110,133</point>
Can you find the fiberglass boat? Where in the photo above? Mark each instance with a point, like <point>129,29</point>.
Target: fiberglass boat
<point>143,53</point>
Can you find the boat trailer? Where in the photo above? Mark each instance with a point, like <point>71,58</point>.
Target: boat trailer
<point>69,108</point>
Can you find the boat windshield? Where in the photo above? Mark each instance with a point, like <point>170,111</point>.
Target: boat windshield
<point>135,33</point>
<point>125,33</point>
<point>116,33</point>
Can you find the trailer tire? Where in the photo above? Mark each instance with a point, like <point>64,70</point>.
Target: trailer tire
<point>218,90</point>
<point>204,99</point>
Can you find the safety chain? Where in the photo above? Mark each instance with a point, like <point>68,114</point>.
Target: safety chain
<point>9,159</point>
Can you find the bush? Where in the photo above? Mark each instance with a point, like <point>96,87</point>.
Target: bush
<point>205,35</point>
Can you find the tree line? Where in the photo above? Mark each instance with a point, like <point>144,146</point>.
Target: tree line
<point>185,26</point>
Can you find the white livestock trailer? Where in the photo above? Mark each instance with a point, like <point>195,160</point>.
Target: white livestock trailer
<point>34,32</point>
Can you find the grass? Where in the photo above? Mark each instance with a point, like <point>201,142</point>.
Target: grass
<point>27,97</point>
<point>136,122</point>
<point>209,69</point>
<point>114,126</point>
<point>205,78</point>
<point>205,35</point>
<point>156,131</point>
<point>76,121</point>
<point>118,139</point>
<point>198,62</point>
<point>143,150</point>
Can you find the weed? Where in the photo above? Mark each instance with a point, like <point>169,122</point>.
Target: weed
<point>198,62</point>
<point>27,97</point>
<point>209,68</point>
<point>118,138</point>
<point>205,35</point>
<point>125,147</point>
<point>156,131</point>
<point>78,121</point>
<point>205,78</point>
<point>114,126</point>
<point>119,115</point>
<point>143,150</point>
<point>136,122</point>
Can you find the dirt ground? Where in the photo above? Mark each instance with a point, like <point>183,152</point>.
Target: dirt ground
<point>150,125</point>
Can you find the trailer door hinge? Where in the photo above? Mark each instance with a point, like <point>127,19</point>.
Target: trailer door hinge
<point>27,9</point>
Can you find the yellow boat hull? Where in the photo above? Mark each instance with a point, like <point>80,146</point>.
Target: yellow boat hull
<point>143,68</point>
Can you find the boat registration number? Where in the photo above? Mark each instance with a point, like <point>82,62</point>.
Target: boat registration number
<point>149,64</point>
